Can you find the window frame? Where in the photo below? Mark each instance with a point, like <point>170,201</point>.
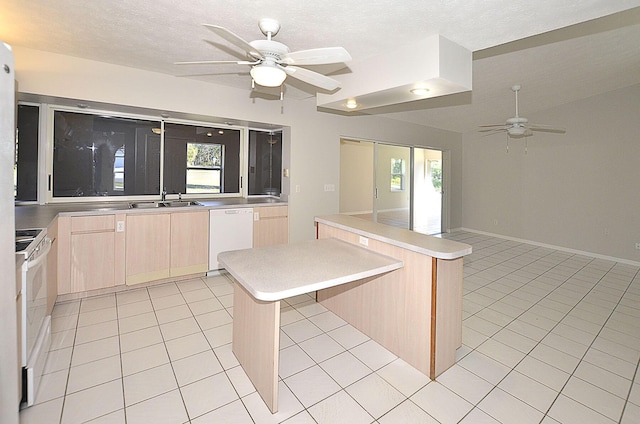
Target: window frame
<point>219,168</point>
<point>402,175</point>
<point>45,174</point>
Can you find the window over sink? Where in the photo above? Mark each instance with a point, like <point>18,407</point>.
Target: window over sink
<point>100,155</point>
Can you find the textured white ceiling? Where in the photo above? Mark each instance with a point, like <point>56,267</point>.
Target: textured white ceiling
<point>555,68</point>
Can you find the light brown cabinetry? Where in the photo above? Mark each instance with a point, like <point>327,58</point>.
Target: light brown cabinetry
<point>148,247</point>
<point>92,252</point>
<point>270,225</point>
<point>160,246</point>
<point>189,243</point>
<point>84,250</point>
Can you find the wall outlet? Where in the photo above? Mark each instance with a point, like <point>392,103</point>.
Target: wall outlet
<point>329,187</point>
<point>120,227</point>
<point>256,216</point>
<point>364,241</point>
<point>637,246</point>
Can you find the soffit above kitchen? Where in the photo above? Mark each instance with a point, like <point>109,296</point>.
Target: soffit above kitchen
<point>152,35</point>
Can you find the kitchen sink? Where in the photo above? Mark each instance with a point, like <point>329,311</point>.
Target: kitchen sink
<point>165,204</point>
<point>180,203</point>
<point>146,205</point>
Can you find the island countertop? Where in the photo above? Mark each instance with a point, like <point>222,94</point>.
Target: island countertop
<point>276,272</point>
<point>435,247</point>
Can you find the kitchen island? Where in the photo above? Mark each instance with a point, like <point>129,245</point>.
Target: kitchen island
<point>402,289</point>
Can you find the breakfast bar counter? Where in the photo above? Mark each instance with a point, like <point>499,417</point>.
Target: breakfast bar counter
<point>266,275</point>
<point>402,289</point>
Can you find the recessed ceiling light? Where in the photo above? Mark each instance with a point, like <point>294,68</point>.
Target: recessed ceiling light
<point>351,104</point>
<point>83,105</point>
<point>220,132</point>
<point>164,115</point>
<point>420,91</point>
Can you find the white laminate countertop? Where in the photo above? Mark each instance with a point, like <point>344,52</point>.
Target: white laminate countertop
<point>276,272</point>
<point>435,247</point>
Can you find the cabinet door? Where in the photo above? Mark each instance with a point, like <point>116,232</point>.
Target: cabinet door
<point>92,261</point>
<point>148,247</point>
<point>271,226</point>
<point>189,243</point>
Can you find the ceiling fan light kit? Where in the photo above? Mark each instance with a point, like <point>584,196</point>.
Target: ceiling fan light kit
<point>271,62</point>
<point>268,74</point>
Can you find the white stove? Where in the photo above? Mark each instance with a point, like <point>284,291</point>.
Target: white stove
<point>32,245</point>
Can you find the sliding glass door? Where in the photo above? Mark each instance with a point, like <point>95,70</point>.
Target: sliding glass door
<point>391,184</point>
<point>427,193</point>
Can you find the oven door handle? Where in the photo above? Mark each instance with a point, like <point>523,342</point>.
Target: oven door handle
<point>42,254</point>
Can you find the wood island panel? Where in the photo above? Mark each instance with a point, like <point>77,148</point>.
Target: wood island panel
<point>448,315</point>
<point>256,332</point>
<point>372,306</point>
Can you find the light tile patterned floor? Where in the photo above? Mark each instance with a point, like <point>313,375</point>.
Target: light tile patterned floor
<point>548,337</point>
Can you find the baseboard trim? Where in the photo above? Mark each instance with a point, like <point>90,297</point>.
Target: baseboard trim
<point>551,246</point>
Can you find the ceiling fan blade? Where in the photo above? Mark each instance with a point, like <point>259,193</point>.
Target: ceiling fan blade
<point>311,77</point>
<point>217,62</point>
<point>321,56</point>
<point>235,40</point>
<point>492,125</point>
<point>547,128</point>
<point>493,130</point>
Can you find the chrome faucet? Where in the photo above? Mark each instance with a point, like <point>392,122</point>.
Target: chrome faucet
<point>164,194</point>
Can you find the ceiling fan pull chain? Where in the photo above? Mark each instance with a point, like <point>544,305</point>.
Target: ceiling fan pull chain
<point>525,144</point>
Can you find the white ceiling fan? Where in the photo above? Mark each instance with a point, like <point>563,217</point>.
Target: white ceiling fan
<point>271,62</point>
<point>519,126</point>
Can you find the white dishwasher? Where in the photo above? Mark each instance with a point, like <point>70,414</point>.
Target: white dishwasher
<point>229,229</point>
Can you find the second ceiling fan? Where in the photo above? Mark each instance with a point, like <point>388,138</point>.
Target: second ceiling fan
<point>519,126</point>
<point>271,62</point>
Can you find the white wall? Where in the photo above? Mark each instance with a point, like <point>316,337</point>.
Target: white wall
<point>315,136</point>
<point>356,177</point>
<point>578,190</point>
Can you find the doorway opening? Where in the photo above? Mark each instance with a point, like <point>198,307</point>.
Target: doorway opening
<point>394,185</point>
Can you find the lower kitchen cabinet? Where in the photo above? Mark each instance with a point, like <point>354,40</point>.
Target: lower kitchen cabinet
<point>164,245</point>
<point>189,243</point>
<point>92,253</point>
<point>148,247</point>
<point>270,225</point>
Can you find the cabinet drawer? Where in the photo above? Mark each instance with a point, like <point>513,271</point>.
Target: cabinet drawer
<point>272,211</point>
<point>80,224</point>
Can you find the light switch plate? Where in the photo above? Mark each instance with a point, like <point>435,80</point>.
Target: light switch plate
<point>120,226</point>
